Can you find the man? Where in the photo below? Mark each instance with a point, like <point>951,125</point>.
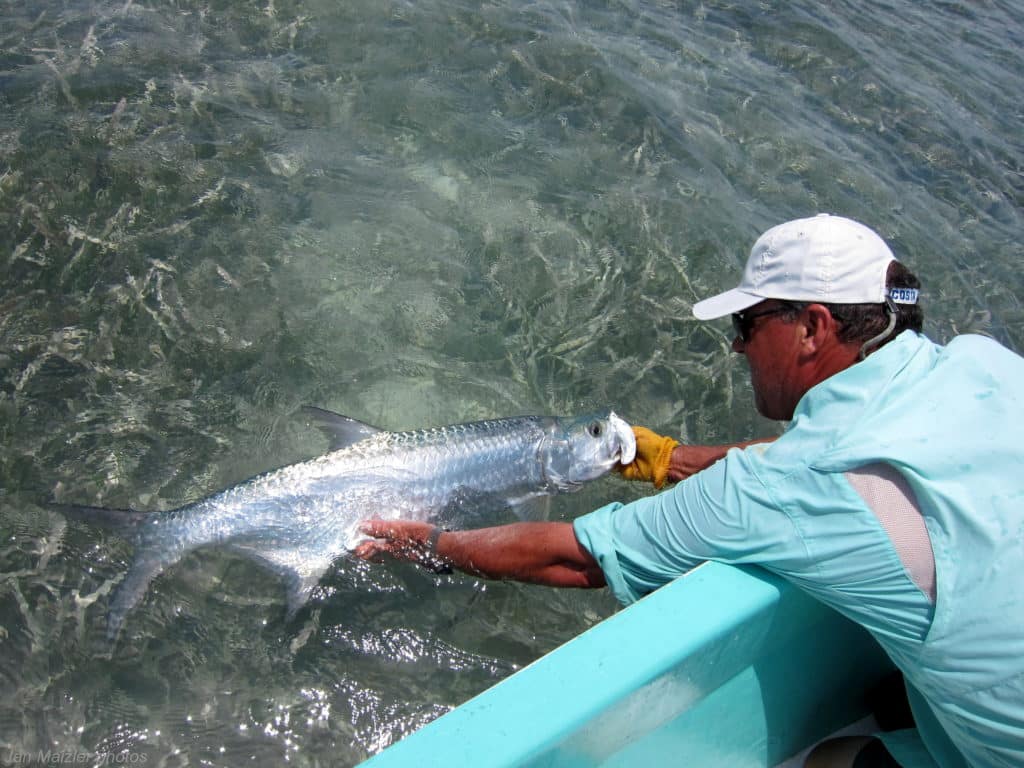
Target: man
<point>896,495</point>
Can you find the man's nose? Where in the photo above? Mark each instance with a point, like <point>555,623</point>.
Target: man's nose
<point>737,345</point>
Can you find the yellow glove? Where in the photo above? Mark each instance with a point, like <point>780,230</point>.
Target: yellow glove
<point>653,456</point>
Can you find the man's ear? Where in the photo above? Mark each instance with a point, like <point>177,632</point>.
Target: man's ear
<point>819,327</point>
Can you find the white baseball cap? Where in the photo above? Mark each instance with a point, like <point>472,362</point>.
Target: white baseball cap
<point>826,259</point>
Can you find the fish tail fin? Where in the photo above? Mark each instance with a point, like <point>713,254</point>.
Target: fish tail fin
<point>150,556</point>
<point>146,567</point>
<point>115,519</point>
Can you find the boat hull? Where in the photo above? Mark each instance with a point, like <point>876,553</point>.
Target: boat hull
<point>724,666</point>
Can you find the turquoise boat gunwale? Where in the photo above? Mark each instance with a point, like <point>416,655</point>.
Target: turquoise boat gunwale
<point>723,666</point>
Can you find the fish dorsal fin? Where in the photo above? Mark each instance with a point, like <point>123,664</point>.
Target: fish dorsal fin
<point>341,431</point>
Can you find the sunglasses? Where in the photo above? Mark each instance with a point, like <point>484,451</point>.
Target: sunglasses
<point>743,322</point>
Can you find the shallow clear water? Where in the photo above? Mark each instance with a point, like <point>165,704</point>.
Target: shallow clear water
<point>214,212</point>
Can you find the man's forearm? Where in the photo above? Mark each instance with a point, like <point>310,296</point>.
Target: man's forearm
<point>540,553</point>
<point>688,460</point>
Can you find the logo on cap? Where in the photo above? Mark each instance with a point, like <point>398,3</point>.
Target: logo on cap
<point>904,295</point>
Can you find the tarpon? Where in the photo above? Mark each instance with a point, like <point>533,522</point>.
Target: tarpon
<point>299,519</point>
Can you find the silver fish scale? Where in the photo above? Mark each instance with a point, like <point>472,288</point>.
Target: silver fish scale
<point>301,518</point>
<point>490,456</point>
<point>391,474</point>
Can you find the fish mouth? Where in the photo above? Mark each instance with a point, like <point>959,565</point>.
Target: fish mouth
<point>626,438</point>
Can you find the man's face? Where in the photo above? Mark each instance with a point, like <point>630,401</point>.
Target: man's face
<point>772,350</point>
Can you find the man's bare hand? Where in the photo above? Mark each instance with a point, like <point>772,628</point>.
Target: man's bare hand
<point>408,540</point>
<point>539,553</point>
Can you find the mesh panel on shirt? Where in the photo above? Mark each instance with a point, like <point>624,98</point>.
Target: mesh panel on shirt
<point>890,497</point>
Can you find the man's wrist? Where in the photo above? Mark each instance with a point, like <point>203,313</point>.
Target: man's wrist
<point>432,537</point>
<point>434,561</point>
<point>690,459</point>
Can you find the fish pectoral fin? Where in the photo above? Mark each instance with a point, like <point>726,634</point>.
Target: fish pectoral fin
<point>538,509</point>
<point>340,431</point>
<point>473,508</point>
<point>301,569</point>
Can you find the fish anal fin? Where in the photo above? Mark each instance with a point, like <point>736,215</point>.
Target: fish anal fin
<point>302,570</point>
<point>340,431</point>
<point>299,590</point>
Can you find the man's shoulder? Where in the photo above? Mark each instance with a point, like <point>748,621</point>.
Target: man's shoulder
<point>912,359</point>
<point>975,342</point>
<point>981,354</point>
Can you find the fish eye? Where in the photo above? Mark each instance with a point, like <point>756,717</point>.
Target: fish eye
<point>595,429</point>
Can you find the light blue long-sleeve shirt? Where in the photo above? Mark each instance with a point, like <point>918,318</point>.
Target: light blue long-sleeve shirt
<point>950,420</point>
